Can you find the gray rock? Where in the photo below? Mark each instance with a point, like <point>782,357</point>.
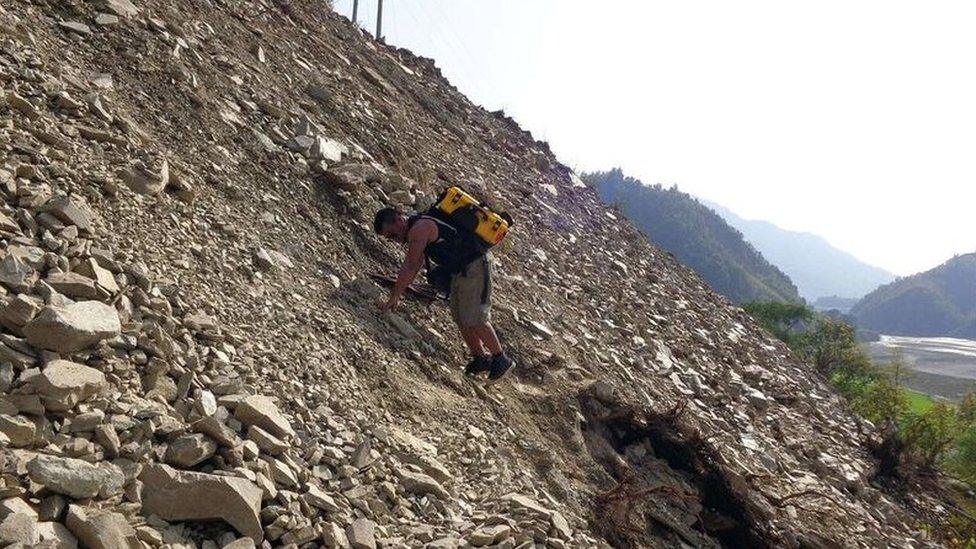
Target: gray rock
<point>55,535</point>
<point>421,484</point>
<point>362,457</point>
<point>20,310</point>
<point>327,149</point>
<point>23,106</point>
<point>122,8</point>
<point>15,505</point>
<point>106,20</point>
<point>560,527</point>
<point>19,528</point>
<point>101,529</point>
<point>488,535</point>
<point>8,225</point>
<point>262,411</point>
<point>333,537</point>
<point>362,534</point>
<point>71,211</point>
<point>76,478</point>
<point>206,403</point>
<point>73,327</point>
<point>74,285</point>
<point>63,384</point>
<point>106,435</point>
<point>184,495</point>
<point>19,430</point>
<point>215,429</point>
<point>15,273</point>
<point>145,181</point>
<point>316,497</point>
<point>190,450</point>
<point>271,260</point>
<point>102,276</point>
<point>266,441</point>
<point>75,27</point>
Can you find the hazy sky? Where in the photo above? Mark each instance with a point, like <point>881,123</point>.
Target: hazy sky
<point>852,120</point>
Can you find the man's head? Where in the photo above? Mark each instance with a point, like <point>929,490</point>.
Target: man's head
<point>391,224</point>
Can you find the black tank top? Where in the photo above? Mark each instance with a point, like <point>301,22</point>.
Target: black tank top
<point>452,249</point>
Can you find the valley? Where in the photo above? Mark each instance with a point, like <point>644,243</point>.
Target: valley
<point>940,366</point>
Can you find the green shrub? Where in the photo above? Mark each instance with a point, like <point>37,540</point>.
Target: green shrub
<point>882,400</point>
<point>963,458</point>
<point>930,435</point>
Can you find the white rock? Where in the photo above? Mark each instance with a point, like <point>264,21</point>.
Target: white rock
<point>73,327</point>
<point>76,478</point>
<point>262,411</point>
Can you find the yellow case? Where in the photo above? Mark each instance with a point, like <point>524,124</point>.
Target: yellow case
<point>491,226</point>
<point>456,198</point>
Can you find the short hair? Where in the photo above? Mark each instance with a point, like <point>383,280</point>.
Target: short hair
<point>384,217</point>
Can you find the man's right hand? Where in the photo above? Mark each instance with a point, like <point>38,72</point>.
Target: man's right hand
<point>390,304</point>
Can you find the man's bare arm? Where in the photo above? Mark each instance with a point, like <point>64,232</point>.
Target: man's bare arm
<point>419,236</point>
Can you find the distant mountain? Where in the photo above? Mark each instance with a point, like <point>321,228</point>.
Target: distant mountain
<point>697,236</point>
<point>832,302</point>
<point>817,268</point>
<point>938,302</point>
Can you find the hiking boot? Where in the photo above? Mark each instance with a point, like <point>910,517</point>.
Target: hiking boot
<point>500,366</point>
<point>481,363</point>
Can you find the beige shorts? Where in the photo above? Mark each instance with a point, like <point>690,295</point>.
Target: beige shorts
<point>471,294</point>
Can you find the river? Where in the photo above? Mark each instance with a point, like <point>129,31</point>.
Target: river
<point>942,366</point>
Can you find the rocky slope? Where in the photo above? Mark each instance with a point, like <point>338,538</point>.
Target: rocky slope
<point>192,356</point>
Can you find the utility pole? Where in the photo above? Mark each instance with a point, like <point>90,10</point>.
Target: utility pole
<point>355,11</point>
<point>379,20</point>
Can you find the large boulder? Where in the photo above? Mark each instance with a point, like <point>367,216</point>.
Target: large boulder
<point>18,429</point>
<point>143,180</point>
<point>74,285</point>
<point>185,495</point>
<point>261,411</point>
<point>19,528</point>
<point>71,328</point>
<point>71,211</point>
<point>189,450</point>
<point>324,148</point>
<point>55,535</point>
<point>62,384</point>
<point>362,534</point>
<point>16,274</point>
<point>76,478</point>
<point>122,8</point>
<point>421,484</point>
<point>101,529</point>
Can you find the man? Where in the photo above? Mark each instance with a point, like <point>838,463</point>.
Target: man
<point>470,282</point>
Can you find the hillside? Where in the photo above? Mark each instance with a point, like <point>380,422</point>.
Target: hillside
<point>937,302</point>
<point>699,238</point>
<point>193,356</point>
<point>816,267</point>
